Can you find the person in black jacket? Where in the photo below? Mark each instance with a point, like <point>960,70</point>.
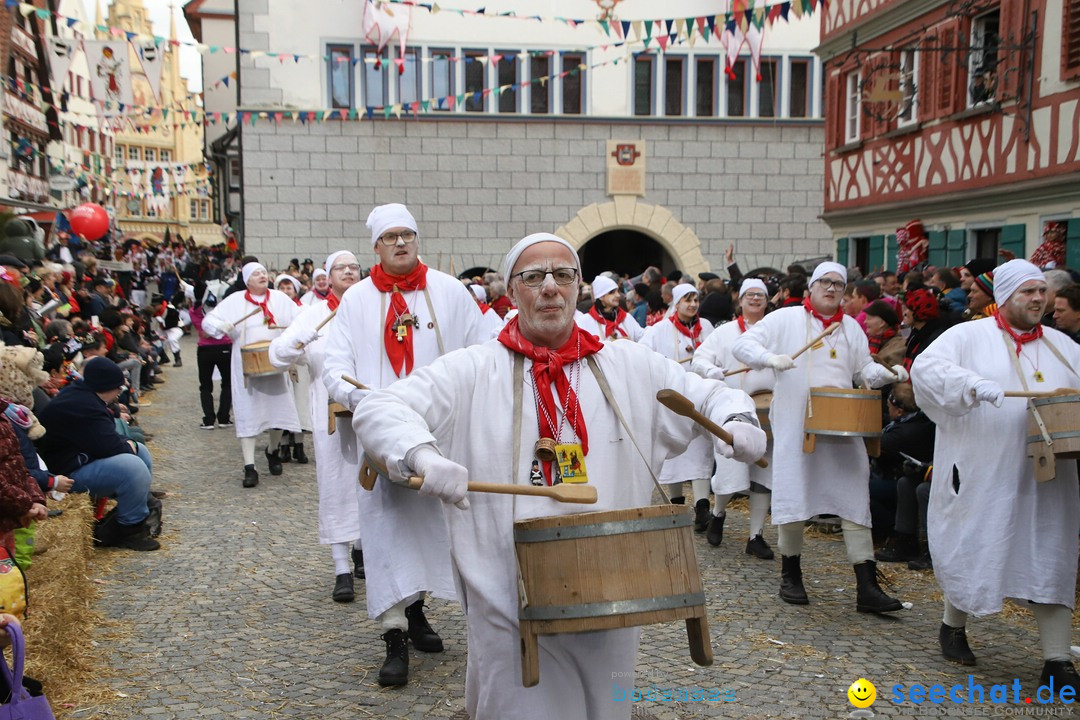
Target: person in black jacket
<point>81,442</point>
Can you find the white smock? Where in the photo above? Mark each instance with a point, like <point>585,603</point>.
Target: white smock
<point>406,549</point>
<point>337,456</point>
<point>463,403</point>
<point>697,461</point>
<point>259,403</point>
<point>732,476</point>
<point>835,478</point>
<point>1002,534</point>
<point>628,329</point>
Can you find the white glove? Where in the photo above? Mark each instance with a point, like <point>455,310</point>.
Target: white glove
<point>901,374</point>
<point>717,373</point>
<point>307,336</point>
<point>988,391</point>
<point>443,478</point>
<point>227,327</point>
<point>355,396</point>
<point>780,363</point>
<point>747,442</point>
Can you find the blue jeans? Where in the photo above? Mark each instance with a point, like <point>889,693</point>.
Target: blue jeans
<point>124,477</point>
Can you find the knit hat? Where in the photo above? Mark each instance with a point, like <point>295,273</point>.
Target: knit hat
<point>985,282</point>
<point>922,304</point>
<point>102,375</point>
<point>286,278</point>
<point>249,270</point>
<point>389,216</point>
<point>750,283</point>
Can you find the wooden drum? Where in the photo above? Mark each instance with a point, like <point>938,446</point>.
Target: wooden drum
<point>843,412</point>
<point>256,360</point>
<point>1060,415</point>
<point>608,570</point>
<point>334,411</point>
<point>763,401</point>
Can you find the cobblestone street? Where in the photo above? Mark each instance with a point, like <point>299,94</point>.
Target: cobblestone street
<point>232,618</point>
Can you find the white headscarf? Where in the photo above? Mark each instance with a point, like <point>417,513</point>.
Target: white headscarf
<point>319,272</point>
<point>330,261</point>
<point>1009,277</point>
<point>285,277</point>
<point>249,270</point>
<point>828,267</point>
<point>389,216</point>
<point>479,292</point>
<point>526,242</point>
<point>749,283</point>
<point>680,291</point>
<point>602,285</point>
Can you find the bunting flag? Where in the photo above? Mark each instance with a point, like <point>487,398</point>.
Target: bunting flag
<point>61,53</point>
<point>382,22</point>
<point>152,58</point>
<point>110,74</point>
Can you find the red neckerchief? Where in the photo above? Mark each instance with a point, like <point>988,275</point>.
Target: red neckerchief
<point>164,308</point>
<point>268,317</point>
<point>400,354</point>
<point>484,307</point>
<point>1018,338</point>
<point>320,295</point>
<point>690,332</point>
<point>826,322</point>
<point>297,301</point>
<point>878,341</point>
<point>547,369</point>
<point>612,328</point>
<point>332,301</point>
<point>742,324</point>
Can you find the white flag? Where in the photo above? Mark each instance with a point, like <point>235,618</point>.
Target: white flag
<point>61,53</point>
<point>381,22</point>
<point>110,74</point>
<point>152,57</point>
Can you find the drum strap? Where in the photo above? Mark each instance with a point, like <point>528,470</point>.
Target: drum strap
<point>434,321</point>
<point>1058,355</point>
<point>1030,401</point>
<point>606,389</point>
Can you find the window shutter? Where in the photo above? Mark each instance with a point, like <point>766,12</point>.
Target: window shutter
<point>876,256</point>
<point>1012,239</point>
<point>936,254</point>
<point>1070,38</point>
<point>956,248</point>
<point>842,251</point>
<point>833,120</point>
<point>947,87</point>
<point>892,249</point>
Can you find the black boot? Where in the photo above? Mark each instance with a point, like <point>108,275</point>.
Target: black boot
<point>358,563</point>
<point>178,362</point>
<point>923,561</point>
<point>298,453</point>
<point>701,515</point>
<point>343,588</point>
<point>900,547</point>
<point>395,669</point>
<point>1061,673</point>
<point>791,587</point>
<point>681,500</point>
<point>715,532</point>
<point>954,645</point>
<point>423,637</point>
<point>283,453</point>
<point>274,460</point>
<point>760,549</point>
<point>251,476</point>
<point>870,598</point>
<point>133,537</point>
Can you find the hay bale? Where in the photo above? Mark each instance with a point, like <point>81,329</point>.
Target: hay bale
<point>62,616</point>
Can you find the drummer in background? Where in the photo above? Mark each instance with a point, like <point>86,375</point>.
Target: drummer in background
<point>712,360</point>
<point>606,318</point>
<point>290,448</point>
<point>994,531</point>
<point>455,421</point>
<point>400,318</point>
<point>677,337</point>
<point>259,403</point>
<point>320,288</point>
<point>833,478</point>
<point>337,461</point>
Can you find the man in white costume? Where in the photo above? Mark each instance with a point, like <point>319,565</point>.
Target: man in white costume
<point>336,456</point>
<point>401,317</point>
<point>455,421</point>
<point>835,477</point>
<point>994,531</point>
<point>677,337</point>
<point>606,319</point>
<point>259,403</point>
<point>714,360</point>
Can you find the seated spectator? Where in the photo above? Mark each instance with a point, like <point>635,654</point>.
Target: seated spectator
<point>981,297</point>
<point>948,284</point>
<point>21,420</point>
<point>922,315</point>
<point>883,332</point>
<point>21,500</point>
<point>82,442</point>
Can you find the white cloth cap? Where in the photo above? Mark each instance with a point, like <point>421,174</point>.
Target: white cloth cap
<point>1009,277</point>
<point>249,270</point>
<point>828,267</point>
<point>319,272</point>
<point>330,262</point>
<point>528,241</point>
<point>479,292</point>
<point>680,291</point>
<point>602,285</point>
<point>389,216</point>
<point>284,278</point>
<point>749,283</point>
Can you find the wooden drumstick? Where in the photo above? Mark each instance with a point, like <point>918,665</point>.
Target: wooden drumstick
<point>253,312</point>
<point>829,330</point>
<point>680,404</point>
<point>354,382</point>
<point>563,492</point>
<point>1040,394</point>
<point>320,326</point>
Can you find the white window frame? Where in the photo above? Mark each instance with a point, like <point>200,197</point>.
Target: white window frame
<point>853,107</point>
<point>909,70</point>
<point>328,47</point>
<point>978,37</point>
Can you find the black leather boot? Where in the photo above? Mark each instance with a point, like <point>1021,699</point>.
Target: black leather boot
<point>791,586</point>
<point>395,669</point>
<point>701,515</point>
<point>954,645</point>
<point>870,598</point>
<point>715,532</point>
<point>358,563</point>
<point>343,588</point>
<point>134,537</point>
<point>1061,673</point>
<point>274,460</point>
<point>298,453</point>
<point>283,452</point>
<point>900,547</point>
<point>251,476</point>
<point>760,549</point>
<point>423,637</point>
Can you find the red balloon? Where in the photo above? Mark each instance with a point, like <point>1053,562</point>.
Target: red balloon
<point>89,220</point>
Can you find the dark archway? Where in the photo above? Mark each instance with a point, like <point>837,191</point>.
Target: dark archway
<point>626,252</point>
<point>475,272</point>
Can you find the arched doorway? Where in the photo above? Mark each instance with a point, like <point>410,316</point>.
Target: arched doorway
<point>626,252</point>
